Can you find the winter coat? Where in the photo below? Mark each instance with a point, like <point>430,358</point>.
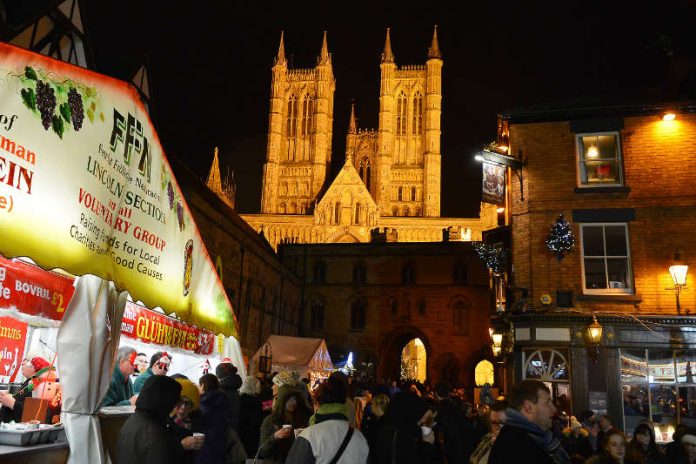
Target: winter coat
<point>512,443</point>
<point>215,412</point>
<point>144,437</point>
<point>230,385</point>
<point>320,443</point>
<point>636,452</point>
<point>400,440</point>
<point>141,379</point>
<point>370,427</point>
<point>278,449</point>
<point>458,432</point>
<point>250,410</point>
<point>120,390</point>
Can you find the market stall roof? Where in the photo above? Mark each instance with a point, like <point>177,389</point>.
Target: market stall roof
<point>89,190</point>
<point>297,354</point>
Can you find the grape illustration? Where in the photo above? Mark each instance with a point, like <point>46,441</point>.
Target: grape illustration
<point>76,108</point>
<point>46,102</point>
<point>170,194</point>
<point>180,215</point>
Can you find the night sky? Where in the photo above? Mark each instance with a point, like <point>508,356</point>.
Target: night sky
<point>211,67</point>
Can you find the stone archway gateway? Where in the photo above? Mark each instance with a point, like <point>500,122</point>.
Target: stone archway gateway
<point>405,353</point>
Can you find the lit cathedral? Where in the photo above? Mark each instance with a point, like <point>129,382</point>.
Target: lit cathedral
<point>389,186</point>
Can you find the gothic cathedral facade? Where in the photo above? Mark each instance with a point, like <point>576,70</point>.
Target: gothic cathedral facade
<point>389,186</point>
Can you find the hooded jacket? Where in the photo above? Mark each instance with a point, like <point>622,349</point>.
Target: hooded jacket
<point>400,439</point>
<point>214,409</point>
<point>230,385</point>
<point>144,437</point>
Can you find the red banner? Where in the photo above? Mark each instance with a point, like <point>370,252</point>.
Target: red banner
<point>31,290</point>
<point>150,327</point>
<point>13,336</point>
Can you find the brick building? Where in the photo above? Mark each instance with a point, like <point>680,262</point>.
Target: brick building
<point>264,293</point>
<point>372,299</point>
<point>624,177</point>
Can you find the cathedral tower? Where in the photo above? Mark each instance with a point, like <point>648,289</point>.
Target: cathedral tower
<point>407,171</point>
<point>298,156</point>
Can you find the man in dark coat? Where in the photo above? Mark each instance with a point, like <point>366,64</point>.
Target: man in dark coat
<point>230,382</point>
<point>144,437</point>
<point>527,431</point>
<point>453,427</point>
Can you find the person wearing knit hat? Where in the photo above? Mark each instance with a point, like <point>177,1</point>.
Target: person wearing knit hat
<point>688,447</point>
<point>13,405</point>
<point>575,441</point>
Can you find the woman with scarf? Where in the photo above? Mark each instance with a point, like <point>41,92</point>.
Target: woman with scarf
<point>13,405</point>
<point>290,412</point>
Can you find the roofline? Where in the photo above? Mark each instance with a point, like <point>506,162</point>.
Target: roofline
<point>553,114</point>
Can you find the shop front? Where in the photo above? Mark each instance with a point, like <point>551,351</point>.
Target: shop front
<point>641,367</point>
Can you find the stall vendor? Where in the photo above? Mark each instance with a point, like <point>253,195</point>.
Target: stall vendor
<point>13,404</point>
<point>120,391</point>
<point>159,365</point>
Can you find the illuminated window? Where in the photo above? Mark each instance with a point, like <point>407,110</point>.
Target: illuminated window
<point>606,258</point>
<point>599,159</point>
<point>417,114</point>
<point>401,114</point>
<point>291,123</point>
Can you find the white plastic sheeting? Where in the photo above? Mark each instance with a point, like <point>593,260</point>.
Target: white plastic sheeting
<point>304,355</point>
<point>88,339</point>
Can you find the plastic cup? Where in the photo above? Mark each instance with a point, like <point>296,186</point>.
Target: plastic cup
<point>287,426</point>
<point>196,434</point>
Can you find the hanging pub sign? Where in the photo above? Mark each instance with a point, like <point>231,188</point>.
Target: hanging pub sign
<point>31,290</point>
<point>493,187</point>
<point>151,327</point>
<point>85,187</point>
<point>13,336</point>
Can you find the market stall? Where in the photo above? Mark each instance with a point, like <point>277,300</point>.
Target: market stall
<point>307,356</point>
<point>86,188</point>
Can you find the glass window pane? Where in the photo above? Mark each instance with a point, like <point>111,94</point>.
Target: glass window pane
<point>595,276</point>
<point>661,366</point>
<point>687,401</point>
<point>593,240</point>
<point>606,146</point>
<point>616,240</point>
<point>663,403</point>
<point>589,147</point>
<point>617,269</point>
<point>686,367</point>
<point>604,171</point>
<point>634,367</point>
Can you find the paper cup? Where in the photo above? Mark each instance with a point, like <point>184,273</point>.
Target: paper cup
<point>287,426</point>
<point>196,434</point>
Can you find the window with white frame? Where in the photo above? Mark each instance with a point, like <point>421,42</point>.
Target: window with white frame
<point>599,159</point>
<point>606,258</point>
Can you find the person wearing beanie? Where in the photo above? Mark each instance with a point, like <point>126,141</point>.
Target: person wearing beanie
<point>575,440</point>
<point>687,453</point>
<point>13,405</point>
<point>144,437</point>
<point>186,419</point>
<point>230,382</point>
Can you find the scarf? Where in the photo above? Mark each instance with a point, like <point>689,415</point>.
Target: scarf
<point>544,438</point>
<point>329,411</point>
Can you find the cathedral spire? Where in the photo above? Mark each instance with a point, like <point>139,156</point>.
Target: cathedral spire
<point>215,185</point>
<point>434,50</point>
<point>352,126</point>
<point>387,55</point>
<point>214,181</point>
<point>324,57</point>
<point>280,58</point>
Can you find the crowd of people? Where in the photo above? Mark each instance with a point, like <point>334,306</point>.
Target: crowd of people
<point>282,419</point>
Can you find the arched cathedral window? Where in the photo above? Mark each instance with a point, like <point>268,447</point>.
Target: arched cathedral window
<point>291,125</point>
<point>401,110</point>
<point>307,114</point>
<point>417,126</point>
